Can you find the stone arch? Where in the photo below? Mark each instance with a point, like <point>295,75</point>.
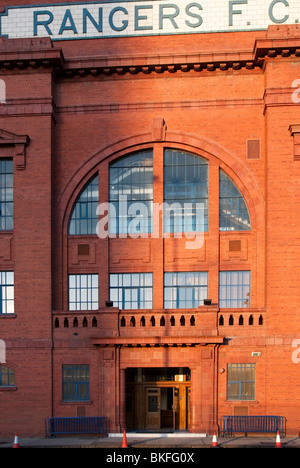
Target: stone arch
<point>217,155</point>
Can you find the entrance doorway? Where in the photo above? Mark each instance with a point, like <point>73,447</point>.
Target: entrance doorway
<point>153,408</point>
<point>157,399</point>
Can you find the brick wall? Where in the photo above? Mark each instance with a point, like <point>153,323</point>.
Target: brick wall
<point>81,109</point>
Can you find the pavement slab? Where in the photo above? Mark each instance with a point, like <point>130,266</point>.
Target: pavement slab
<point>148,441</point>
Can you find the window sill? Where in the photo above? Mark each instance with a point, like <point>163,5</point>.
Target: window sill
<point>8,388</point>
<point>7,316</point>
<point>243,402</point>
<point>78,402</point>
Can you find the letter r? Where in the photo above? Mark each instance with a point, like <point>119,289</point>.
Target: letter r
<point>42,22</point>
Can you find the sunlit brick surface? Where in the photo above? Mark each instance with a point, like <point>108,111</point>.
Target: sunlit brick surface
<point>71,108</point>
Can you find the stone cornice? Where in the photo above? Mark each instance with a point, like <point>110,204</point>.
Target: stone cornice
<point>38,53</point>
<point>21,54</point>
<point>159,341</point>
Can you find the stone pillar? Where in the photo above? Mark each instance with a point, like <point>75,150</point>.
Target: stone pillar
<point>122,400</point>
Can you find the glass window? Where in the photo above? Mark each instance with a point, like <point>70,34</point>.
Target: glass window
<point>6,292</point>
<point>185,290</point>
<point>241,382</point>
<point>7,377</point>
<point>131,290</point>
<point>234,289</point>
<point>83,292</point>
<point>6,194</point>
<point>185,192</point>
<point>75,383</point>
<point>84,216</point>
<point>131,194</point>
<point>234,214</point>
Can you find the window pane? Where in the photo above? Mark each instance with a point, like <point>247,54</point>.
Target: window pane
<point>234,289</point>
<point>6,194</point>
<point>241,381</point>
<point>75,383</point>
<point>84,218</point>
<point>234,214</point>
<point>131,290</point>
<point>131,191</point>
<point>83,292</point>
<point>185,290</point>
<point>7,377</point>
<point>6,292</point>
<point>185,192</point>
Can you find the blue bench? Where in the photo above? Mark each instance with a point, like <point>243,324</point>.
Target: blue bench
<point>230,425</point>
<point>77,425</point>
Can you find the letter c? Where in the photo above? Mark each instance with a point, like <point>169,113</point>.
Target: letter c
<point>271,14</point>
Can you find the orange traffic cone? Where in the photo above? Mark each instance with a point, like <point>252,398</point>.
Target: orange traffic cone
<point>16,442</point>
<point>124,441</point>
<point>214,441</point>
<point>278,443</point>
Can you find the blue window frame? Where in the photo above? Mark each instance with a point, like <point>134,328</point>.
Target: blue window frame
<point>75,382</point>
<point>6,292</point>
<point>185,290</point>
<point>131,194</point>
<point>241,381</point>
<point>234,289</point>
<point>84,218</point>
<point>131,290</point>
<point>234,215</point>
<point>7,377</point>
<point>6,194</point>
<point>185,192</point>
<point>83,292</point>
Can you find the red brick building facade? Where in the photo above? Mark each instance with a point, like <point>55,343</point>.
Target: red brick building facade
<point>80,120</point>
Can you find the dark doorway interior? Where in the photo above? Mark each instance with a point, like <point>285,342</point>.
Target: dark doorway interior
<point>157,399</point>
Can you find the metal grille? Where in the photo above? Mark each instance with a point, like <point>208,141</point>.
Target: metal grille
<point>77,425</point>
<point>263,424</point>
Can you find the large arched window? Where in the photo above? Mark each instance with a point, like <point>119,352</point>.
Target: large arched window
<point>131,194</point>
<point>185,192</point>
<point>84,216</point>
<point>234,214</point>
<point>180,185</point>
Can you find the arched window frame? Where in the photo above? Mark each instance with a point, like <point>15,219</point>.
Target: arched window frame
<point>217,165</point>
<point>233,209</point>
<point>83,219</point>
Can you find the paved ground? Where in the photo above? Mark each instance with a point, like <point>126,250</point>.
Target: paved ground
<point>155,441</point>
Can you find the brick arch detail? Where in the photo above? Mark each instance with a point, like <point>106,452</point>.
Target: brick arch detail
<point>241,175</point>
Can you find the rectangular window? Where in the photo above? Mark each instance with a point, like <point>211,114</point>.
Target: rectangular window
<point>6,292</point>
<point>75,383</point>
<point>131,290</point>
<point>83,292</point>
<point>6,194</point>
<point>234,289</point>
<point>7,377</point>
<point>240,381</point>
<point>185,290</point>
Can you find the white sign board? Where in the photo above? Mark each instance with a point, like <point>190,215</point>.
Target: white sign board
<point>85,20</point>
